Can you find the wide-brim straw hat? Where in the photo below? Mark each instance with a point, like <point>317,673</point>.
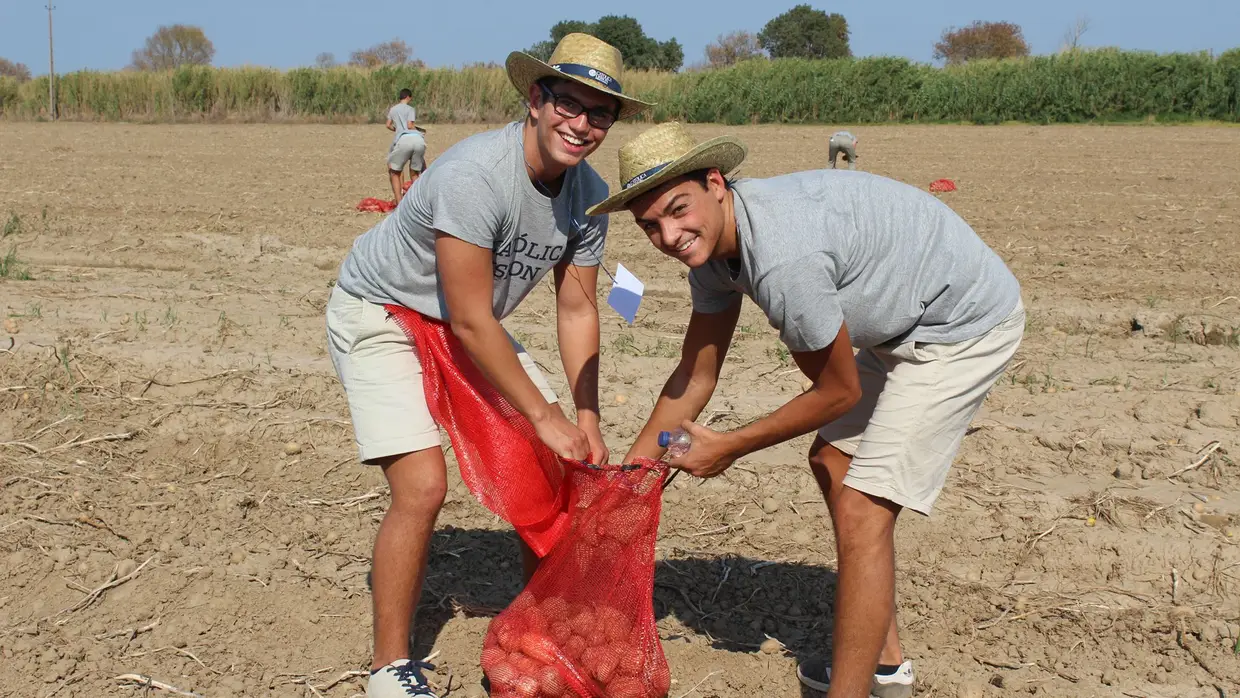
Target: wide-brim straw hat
<point>663,153</point>
<point>581,58</point>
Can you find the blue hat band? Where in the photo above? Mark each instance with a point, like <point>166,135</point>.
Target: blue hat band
<point>585,71</point>
<point>645,175</point>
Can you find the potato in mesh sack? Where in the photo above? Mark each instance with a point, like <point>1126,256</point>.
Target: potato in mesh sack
<point>584,626</point>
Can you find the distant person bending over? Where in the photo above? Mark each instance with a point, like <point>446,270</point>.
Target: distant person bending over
<point>846,143</point>
<point>408,147</point>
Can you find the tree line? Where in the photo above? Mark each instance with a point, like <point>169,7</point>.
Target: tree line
<point>176,45</point>
<point>801,32</point>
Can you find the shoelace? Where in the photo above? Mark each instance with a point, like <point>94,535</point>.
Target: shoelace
<point>410,673</point>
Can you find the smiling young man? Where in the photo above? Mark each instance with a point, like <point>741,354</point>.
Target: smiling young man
<point>479,231</point>
<point>836,260</point>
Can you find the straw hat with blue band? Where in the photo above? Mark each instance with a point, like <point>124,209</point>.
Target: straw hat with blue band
<point>581,58</point>
<point>663,153</point>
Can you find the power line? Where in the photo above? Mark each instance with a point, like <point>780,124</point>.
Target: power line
<point>51,66</point>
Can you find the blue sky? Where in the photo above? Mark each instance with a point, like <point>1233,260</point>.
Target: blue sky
<point>101,34</point>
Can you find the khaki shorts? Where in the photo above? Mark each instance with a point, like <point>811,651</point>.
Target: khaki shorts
<point>382,378</point>
<point>836,146</point>
<point>409,149</point>
<point>917,401</point>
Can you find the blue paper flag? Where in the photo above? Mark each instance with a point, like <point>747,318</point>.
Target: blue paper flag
<point>626,293</point>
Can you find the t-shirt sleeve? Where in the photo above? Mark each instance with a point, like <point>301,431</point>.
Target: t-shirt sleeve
<point>463,203</point>
<point>708,292</point>
<point>802,303</point>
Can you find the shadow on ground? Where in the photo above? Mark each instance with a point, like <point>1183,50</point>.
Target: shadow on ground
<point>736,602</point>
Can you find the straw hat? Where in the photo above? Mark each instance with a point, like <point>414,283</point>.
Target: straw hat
<point>581,58</point>
<point>665,152</point>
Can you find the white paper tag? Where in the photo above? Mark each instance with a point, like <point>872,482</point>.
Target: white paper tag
<point>626,293</point>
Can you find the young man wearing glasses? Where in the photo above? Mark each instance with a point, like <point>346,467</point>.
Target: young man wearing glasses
<point>480,230</point>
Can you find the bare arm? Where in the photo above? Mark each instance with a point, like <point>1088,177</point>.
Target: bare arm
<point>465,271</point>
<point>390,126</point>
<point>691,385</point>
<point>577,327</point>
<point>835,390</point>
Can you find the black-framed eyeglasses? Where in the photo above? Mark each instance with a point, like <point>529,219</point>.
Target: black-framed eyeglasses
<point>569,108</point>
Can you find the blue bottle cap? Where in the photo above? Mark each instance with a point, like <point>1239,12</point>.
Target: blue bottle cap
<point>665,438</point>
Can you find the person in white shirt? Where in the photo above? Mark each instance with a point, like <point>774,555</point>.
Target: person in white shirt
<point>846,143</point>
<point>408,147</point>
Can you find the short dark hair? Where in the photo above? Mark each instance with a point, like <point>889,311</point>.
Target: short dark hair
<point>700,176</point>
<point>406,93</point>
<point>551,83</point>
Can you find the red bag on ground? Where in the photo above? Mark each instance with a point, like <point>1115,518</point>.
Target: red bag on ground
<point>584,626</point>
<point>942,185</point>
<point>503,462</point>
<point>372,205</point>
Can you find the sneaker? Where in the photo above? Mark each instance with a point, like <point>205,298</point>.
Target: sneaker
<point>816,674</point>
<point>401,679</point>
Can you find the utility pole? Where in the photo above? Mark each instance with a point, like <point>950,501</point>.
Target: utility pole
<point>51,67</point>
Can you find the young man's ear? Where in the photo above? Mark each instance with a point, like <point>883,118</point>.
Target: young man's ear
<point>718,185</point>
<point>535,97</point>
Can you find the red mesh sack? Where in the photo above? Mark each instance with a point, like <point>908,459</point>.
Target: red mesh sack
<point>372,205</point>
<point>942,185</point>
<point>504,464</point>
<point>584,625</point>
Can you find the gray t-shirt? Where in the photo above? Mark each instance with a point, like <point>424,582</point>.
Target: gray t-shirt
<point>823,247</point>
<point>480,191</point>
<point>401,114</point>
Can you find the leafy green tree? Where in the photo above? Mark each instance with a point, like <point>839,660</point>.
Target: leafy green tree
<point>804,32</point>
<point>625,33</point>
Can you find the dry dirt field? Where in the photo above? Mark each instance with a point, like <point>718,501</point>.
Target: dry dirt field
<point>169,342</point>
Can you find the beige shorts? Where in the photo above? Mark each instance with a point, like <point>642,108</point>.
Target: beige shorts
<point>917,401</point>
<point>409,149</point>
<point>383,380</point>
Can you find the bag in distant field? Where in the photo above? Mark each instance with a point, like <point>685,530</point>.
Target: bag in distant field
<point>372,205</point>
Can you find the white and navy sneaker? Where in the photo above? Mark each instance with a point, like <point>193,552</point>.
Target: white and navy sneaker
<point>816,674</point>
<point>401,679</point>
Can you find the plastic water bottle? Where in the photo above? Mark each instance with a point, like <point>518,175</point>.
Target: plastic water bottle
<point>676,442</point>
